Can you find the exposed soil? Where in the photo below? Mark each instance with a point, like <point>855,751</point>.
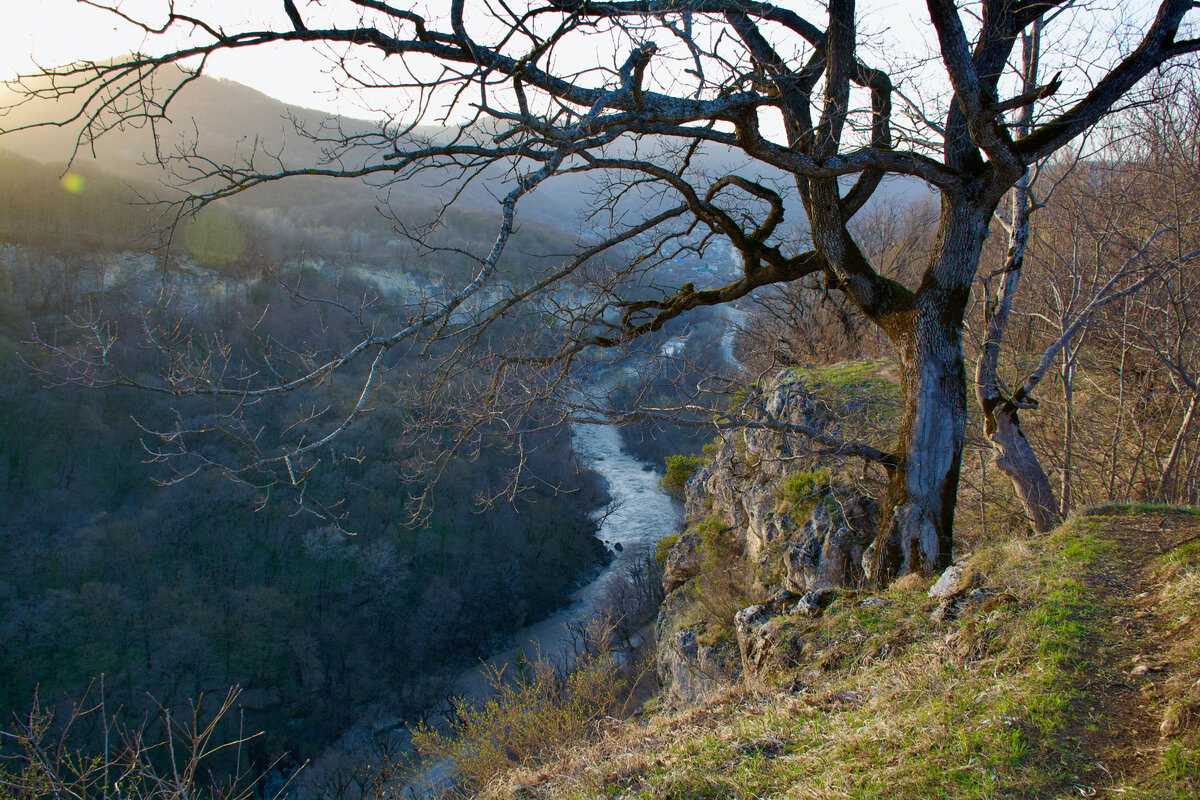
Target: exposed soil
<point>1123,673</point>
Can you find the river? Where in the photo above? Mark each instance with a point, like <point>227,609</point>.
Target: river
<point>639,515</point>
<point>734,319</point>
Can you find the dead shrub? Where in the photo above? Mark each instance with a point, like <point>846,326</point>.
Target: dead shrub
<point>531,715</point>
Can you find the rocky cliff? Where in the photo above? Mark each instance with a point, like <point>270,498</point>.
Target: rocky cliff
<point>773,531</point>
<point>1060,665</point>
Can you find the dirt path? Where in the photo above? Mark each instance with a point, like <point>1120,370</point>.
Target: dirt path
<point>1125,672</point>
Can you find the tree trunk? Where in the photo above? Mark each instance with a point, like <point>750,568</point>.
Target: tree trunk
<point>917,528</point>
<point>1169,468</point>
<point>1068,380</point>
<point>918,522</point>
<point>1012,455</point>
<point>1011,452</point>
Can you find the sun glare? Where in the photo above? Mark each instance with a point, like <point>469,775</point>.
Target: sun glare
<point>51,32</point>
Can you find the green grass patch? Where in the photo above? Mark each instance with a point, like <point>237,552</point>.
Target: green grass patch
<point>662,548</point>
<point>1177,773</point>
<point>1126,509</point>
<point>800,492</point>
<point>884,701</point>
<point>859,395</point>
<point>804,484</point>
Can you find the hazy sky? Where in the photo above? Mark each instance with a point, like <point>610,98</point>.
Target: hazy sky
<point>59,31</point>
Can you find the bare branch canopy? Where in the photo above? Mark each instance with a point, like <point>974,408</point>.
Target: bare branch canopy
<point>803,116</point>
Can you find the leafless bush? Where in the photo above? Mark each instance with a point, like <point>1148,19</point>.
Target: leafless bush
<point>170,757</point>
<point>632,598</point>
<point>535,709</point>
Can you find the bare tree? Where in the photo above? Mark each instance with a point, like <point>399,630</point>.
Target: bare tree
<point>664,82</point>
<point>807,321</point>
<point>1164,189</point>
<point>1097,242</point>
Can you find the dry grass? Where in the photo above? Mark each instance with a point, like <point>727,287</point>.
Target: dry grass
<point>1012,699</point>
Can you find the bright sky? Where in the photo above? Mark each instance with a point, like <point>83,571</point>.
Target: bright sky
<point>59,31</point>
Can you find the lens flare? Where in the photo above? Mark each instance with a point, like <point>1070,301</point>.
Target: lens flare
<point>73,182</point>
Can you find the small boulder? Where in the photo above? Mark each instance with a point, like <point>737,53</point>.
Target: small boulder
<point>947,585</point>
<point>828,550</point>
<point>812,603</point>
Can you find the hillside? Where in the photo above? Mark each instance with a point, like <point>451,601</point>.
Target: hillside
<point>1067,666</point>
<point>231,123</point>
<point>228,122</point>
<point>1060,665</point>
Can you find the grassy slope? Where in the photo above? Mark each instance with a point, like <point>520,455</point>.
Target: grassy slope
<point>1053,683</point>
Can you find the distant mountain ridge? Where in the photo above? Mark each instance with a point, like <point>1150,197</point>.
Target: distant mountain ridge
<point>225,121</point>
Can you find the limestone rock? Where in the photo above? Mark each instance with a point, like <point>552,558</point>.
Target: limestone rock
<point>764,525</point>
<point>947,585</point>
<point>955,581</point>
<point>759,628</point>
<point>828,551</point>
<point>683,561</point>
<point>813,602</point>
<point>802,561</point>
<point>688,669</point>
<point>738,483</point>
<point>691,670</point>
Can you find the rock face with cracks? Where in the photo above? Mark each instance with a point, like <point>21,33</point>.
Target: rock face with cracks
<point>797,531</point>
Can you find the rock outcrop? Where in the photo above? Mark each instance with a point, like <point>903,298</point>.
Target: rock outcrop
<point>798,528</point>
<point>683,562</point>
<point>827,551</point>
<point>690,670</point>
<point>689,667</point>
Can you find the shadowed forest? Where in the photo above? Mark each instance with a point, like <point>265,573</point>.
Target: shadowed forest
<point>175,591</point>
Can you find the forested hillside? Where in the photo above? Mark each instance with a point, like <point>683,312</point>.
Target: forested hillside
<point>178,591</point>
<point>913,332</point>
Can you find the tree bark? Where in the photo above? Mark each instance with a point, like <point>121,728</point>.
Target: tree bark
<point>917,529</point>
<point>1013,455</point>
